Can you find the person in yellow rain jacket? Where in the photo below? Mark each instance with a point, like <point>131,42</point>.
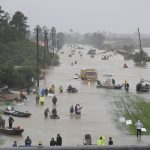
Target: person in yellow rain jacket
<point>42,100</point>
<point>52,89</point>
<point>60,89</point>
<point>101,141</point>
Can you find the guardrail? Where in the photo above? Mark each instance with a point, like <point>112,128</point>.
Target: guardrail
<point>90,147</point>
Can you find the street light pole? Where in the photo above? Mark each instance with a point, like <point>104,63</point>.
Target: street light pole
<point>47,42</point>
<point>37,44</point>
<point>45,31</point>
<point>45,48</point>
<point>53,32</point>
<point>53,48</point>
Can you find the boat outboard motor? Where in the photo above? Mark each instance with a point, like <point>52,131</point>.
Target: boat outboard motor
<point>138,87</point>
<point>98,82</point>
<point>74,90</point>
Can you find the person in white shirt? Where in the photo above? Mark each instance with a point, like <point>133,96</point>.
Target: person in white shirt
<point>139,126</point>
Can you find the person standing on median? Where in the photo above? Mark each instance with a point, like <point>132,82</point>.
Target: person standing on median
<point>139,126</point>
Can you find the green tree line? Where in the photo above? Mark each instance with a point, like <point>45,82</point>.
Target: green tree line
<point>18,65</point>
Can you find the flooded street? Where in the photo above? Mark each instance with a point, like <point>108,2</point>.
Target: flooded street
<point>97,113</point>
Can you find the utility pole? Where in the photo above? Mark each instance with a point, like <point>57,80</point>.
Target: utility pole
<point>57,44</point>
<point>45,45</point>
<point>37,44</point>
<point>45,31</point>
<point>139,39</point>
<point>53,32</point>
<point>47,41</point>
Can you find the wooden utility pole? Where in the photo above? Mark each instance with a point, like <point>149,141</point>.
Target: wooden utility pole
<point>45,45</point>
<point>37,44</point>
<point>139,39</point>
<point>53,32</point>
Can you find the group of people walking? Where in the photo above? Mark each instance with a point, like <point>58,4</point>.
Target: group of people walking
<point>40,98</point>
<point>73,110</point>
<point>44,92</point>
<point>52,89</point>
<point>53,114</point>
<point>76,109</point>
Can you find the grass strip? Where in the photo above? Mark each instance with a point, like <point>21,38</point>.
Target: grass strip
<point>135,108</point>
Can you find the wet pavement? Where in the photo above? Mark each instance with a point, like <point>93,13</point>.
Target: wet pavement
<point>97,113</point>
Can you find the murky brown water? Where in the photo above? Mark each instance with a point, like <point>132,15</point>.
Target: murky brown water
<point>96,117</point>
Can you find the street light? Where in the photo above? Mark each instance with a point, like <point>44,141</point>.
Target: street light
<point>53,32</point>
<point>45,30</point>
<point>45,47</point>
<point>37,44</point>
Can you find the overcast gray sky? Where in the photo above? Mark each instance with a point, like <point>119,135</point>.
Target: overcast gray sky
<point>118,16</point>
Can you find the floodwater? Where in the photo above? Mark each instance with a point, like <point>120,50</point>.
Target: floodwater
<point>97,114</point>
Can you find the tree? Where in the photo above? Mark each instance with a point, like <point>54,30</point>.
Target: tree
<point>7,74</point>
<point>25,74</point>
<point>19,25</point>
<point>87,38</point>
<point>53,37</point>
<point>140,57</point>
<point>17,54</point>
<point>60,40</point>
<point>4,26</point>
<point>97,40</point>
<point>40,33</point>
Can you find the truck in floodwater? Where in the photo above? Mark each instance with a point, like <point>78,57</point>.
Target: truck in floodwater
<point>88,74</point>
